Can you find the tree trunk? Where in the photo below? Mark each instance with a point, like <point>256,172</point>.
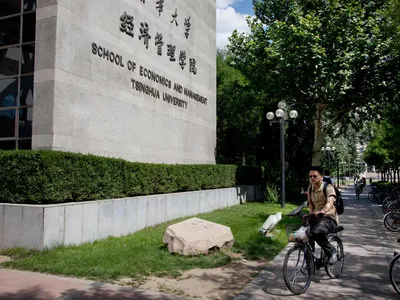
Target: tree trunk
<point>319,135</point>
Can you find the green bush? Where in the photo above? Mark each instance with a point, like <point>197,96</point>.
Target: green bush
<point>37,177</point>
<point>271,193</point>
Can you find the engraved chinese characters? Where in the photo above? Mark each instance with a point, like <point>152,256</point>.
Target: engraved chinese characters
<point>187,29</point>
<point>145,34</point>
<point>127,24</point>
<point>174,17</point>
<point>160,6</point>
<point>159,43</point>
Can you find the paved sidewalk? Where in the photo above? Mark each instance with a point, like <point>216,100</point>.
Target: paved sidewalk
<point>20,285</point>
<point>366,270</point>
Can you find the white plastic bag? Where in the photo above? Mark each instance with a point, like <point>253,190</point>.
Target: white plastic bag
<point>300,235</point>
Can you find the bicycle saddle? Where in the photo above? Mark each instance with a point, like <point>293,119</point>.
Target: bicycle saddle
<point>337,229</point>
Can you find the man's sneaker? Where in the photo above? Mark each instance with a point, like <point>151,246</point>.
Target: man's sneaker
<point>333,258</point>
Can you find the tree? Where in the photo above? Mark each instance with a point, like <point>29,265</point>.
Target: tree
<point>393,15</point>
<point>383,150</point>
<point>238,116</point>
<point>329,59</point>
<point>245,137</point>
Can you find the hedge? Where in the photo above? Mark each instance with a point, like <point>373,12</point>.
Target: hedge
<point>44,176</point>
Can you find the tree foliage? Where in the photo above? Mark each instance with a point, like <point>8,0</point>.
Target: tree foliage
<point>238,116</point>
<point>331,60</point>
<point>383,150</point>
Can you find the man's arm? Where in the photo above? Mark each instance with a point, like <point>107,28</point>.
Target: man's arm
<point>310,204</point>
<point>329,204</point>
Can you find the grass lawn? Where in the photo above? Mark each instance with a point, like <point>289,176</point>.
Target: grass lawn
<point>143,253</point>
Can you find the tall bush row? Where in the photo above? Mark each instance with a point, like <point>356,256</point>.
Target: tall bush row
<point>44,176</point>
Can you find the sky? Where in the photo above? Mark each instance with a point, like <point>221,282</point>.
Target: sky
<point>231,15</point>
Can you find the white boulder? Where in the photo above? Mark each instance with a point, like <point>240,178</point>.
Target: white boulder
<point>196,236</point>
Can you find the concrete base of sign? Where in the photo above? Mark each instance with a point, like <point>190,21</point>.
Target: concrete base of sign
<point>196,236</point>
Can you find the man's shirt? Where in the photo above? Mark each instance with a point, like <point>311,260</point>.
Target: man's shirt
<point>319,200</point>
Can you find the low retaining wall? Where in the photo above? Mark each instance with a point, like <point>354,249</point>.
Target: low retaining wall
<point>46,226</point>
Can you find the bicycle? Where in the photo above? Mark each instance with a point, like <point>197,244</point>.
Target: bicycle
<point>394,271</point>
<point>306,262</point>
<point>392,221</point>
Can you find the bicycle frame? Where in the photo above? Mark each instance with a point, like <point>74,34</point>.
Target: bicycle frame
<point>318,262</point>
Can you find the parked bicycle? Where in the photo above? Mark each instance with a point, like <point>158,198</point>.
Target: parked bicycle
<point>301,262</point>
<point>394,272</point>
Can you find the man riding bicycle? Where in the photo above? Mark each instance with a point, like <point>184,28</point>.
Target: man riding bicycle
<point>359,186</point>
<point>323,217</point>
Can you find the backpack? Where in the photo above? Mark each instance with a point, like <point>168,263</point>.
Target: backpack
<point>339,205</point>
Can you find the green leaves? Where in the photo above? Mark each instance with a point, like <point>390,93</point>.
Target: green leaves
<point>327,58</point>
<point>383,148</point>
<point>37,177</point>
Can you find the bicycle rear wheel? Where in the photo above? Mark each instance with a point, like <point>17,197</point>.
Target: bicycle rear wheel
<point>297,269</point>
<point>335,270</point>
<point>394,273</point>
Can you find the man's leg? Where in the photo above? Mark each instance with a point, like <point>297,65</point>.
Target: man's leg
<point>313,221</point>
<point>320,232</point>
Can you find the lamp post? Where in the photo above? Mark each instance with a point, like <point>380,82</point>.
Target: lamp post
<point>282,116</point>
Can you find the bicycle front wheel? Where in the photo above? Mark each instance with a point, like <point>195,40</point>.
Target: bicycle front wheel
<point>297,269</point>
<point>394,273</point>
<point>335,270</point>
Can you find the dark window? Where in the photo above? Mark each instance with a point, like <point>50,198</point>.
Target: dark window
<point>27,58</point>
<point>9,61</point>
<point>8,92</point>
<point>7,123</point>
<point>9,7</point>
<point>25,144</point>
<point>29,5</point>
<point>26,93</point>
<point>29,27</point>
<point>25,123</point>
<point>7,145</point>
<point>9,31</point>
<point>17,56</point>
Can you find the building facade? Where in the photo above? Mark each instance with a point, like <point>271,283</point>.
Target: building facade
<point>132,79</point>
